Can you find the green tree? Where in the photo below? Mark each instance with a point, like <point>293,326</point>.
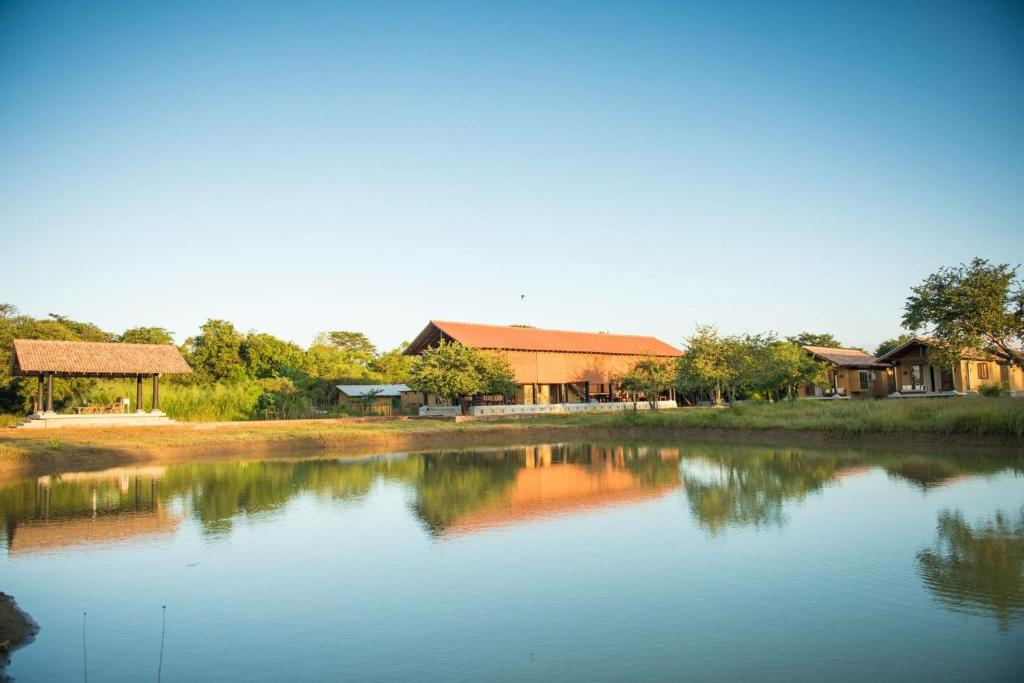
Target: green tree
<point>355,343</point>
<point>649,376</point>
<point>496,374</point>
<point>705,367</point>
<point>815,339</point>
<point>83,331</point>
<point>341,355</point>
<point>974,305</point>
<point>267,356</point>
<point>215,354</point>
<point>780,367</point>
<point>393,367</point>
<point>455,372</point>
<point>894,343</point>
<point>146,335</point>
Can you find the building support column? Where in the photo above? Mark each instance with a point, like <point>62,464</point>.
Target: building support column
<point>49,392</point>
<point>39,397</point>
<point>156,394</point>
<point>138,393</point>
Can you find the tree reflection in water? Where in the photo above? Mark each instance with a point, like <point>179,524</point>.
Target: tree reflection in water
<point>446,487</point>
<point>977,569</point>
<point>726,487</point>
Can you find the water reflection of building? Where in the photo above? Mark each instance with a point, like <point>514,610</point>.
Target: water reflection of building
<point>83,508</point>
<point>560,480</point>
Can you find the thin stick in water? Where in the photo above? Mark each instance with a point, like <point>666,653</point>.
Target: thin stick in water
<point>163,632</point>
<point>85,659</point>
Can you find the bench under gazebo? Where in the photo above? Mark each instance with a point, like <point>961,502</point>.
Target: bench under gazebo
<point>46,359</point>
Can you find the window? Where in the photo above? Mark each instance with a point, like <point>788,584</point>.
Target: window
<point>982,370</point>
<point>864,381</point>
<point>916,375</point>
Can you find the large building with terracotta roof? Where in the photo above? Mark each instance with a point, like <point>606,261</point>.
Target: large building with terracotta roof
<point>553,366</point>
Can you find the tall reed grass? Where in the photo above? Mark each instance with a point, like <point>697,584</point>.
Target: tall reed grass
<point>188,402</point>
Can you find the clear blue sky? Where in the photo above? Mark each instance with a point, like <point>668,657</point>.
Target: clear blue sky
<point>630,167</point>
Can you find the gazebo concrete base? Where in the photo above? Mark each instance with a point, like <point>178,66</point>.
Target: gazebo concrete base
<point>56,421</point>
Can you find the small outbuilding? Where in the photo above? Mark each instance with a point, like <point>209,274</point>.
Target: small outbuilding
<point>378,399</point>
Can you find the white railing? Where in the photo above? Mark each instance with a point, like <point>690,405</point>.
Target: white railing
<point>440,410</point>
<point>562,408</point>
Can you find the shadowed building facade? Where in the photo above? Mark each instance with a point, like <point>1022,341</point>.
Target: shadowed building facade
<point>913,372</point>
<point>553,366</point>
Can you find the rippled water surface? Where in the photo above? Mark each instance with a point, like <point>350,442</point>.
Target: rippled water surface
<point>570,562</point>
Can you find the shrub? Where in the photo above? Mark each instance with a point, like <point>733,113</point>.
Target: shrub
<point>992,390</point>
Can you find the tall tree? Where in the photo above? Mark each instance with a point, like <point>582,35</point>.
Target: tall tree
<point>266,356</point>
<point>215,354</point>
<point>974,305</point>
<point>450,370</point>
<point>146,335</point>
<point>356,343</point>
<point>393,367</point>
<point>816,339</point>
<point>705,365</point>
<point>894,343</point>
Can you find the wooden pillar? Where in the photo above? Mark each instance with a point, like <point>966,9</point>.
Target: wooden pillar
<point>49,392</point>
<point>586,392</point>
<point>138,393</point>
<point>39,398</point>
<point>156,393</point>
<point>611,392</point>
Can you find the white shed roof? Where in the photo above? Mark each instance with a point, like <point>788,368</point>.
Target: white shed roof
<point>387,390</point>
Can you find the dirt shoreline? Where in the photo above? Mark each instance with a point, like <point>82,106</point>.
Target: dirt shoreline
<point>17,629</point>
<point>25,453</point>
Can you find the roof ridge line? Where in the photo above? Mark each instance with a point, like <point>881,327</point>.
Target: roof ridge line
<point>542,329</point>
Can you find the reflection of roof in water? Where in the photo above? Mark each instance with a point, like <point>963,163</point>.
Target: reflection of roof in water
<point>41,536</point>
<point>851,471</point>
<point>559,489</point>
<point>112,474</point>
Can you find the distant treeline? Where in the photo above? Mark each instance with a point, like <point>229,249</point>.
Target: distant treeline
<point>236,375</point>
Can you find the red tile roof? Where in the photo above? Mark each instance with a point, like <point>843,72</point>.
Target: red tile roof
<point>34,356</point>
<point>843,357</point>
<point>510,338</point>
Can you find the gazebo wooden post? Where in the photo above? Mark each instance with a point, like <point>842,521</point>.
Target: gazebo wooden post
<point>49,392</point>
<point>39,398</point>
<point>138,393</point>
<point>156,393</point>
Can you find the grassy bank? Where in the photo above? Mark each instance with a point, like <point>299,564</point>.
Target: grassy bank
<point>889,424</point>
<point>974,416</point>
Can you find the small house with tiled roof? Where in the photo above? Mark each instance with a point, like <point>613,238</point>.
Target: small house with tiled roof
<point>914,373</point>
<point>553,366</point>
<point>851,373</point>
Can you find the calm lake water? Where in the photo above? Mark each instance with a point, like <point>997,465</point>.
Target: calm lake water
<point>568,562</point>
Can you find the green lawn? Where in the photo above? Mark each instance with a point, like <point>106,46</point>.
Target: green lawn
<point>973,415</point>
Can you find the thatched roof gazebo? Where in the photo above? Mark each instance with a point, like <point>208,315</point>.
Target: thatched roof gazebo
<point>47,359</point>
